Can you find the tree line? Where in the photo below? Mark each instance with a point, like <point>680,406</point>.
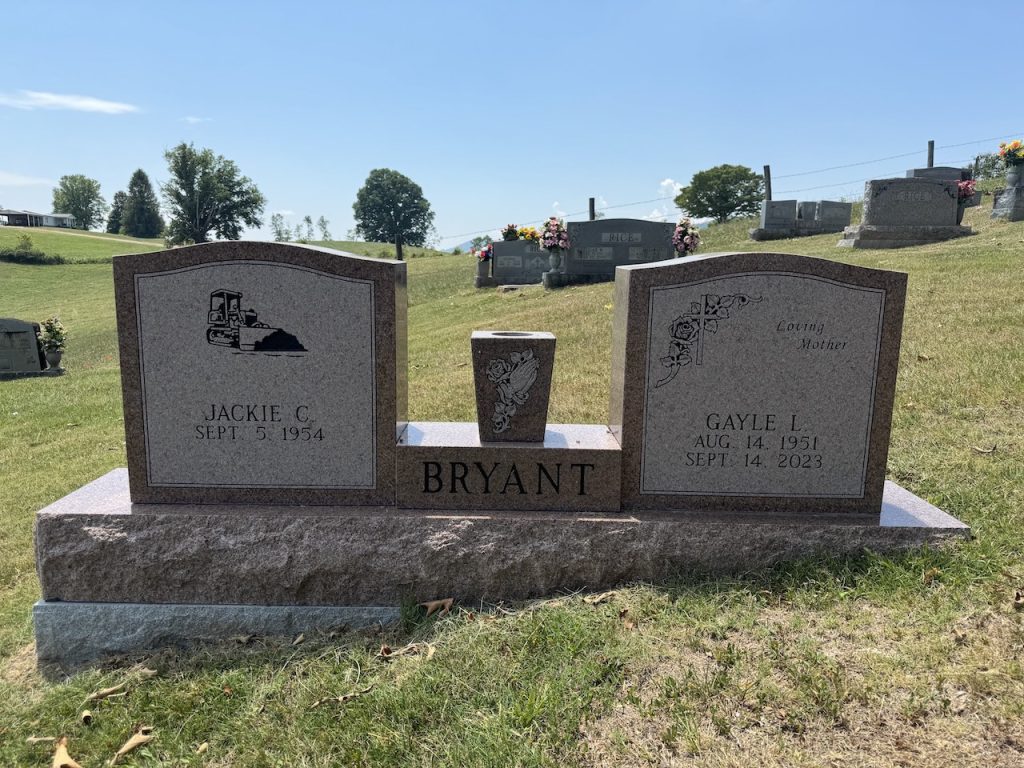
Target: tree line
<point>206,196</point>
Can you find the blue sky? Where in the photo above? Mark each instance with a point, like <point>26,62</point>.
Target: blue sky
<point>501,112</point>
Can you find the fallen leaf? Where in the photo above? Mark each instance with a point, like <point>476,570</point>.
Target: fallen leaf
<point>242,639</point>
<point>412,649</point>
<point>931,574</point>
<point>142,735</point>
<point>61,758</point>
<point>923,358</point>
<point>602,597</point>
<point>626,622</point>
<point>958,703</point>
<point>341,699</point>
<point>300,639</point>
<point>85,718</point>
<point>201,749</point>
<point>228,691</point>
<point>910,405</point>
<point>1018,601</point>
<point>106,693</point>
<point>145,673</point>
<point>444,606</point>
<point>976,449</point>
<point>40,739</point>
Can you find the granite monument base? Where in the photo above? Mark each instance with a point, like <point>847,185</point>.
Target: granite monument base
<point>4,375</point>
<point>117,576</point>
<point>878,236</point>
<point>797,229</point>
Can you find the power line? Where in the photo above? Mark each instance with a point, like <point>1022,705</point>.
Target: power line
<point>783,176</point>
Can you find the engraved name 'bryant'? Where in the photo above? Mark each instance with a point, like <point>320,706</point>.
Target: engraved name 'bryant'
<point>479,477</point>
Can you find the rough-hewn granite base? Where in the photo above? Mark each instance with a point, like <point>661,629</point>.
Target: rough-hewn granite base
<point>877,236</point>
<point>95,546</point>
<point>29,374</point>
<point>71,634</point>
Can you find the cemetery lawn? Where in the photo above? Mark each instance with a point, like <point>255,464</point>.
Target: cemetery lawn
<point>868,661</point>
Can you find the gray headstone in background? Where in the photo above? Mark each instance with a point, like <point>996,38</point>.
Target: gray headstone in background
<point>914,202</point>
<point>518,262</point>
<point>943,172</point>
<point>777,213</point>
<point>19,347</point>
<point>261,372</point>
<point>597,247</point>
<point>834,214</point>
<point>807,210</point>
<point>745,382</point>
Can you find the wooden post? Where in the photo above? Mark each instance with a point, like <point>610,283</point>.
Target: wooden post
<point>767,182</point>
<point>593,212</point>
<point>931,153</point>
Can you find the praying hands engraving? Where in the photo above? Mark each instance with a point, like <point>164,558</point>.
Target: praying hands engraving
<point>513,379</point>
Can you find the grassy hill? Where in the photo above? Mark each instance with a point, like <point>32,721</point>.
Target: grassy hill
<point>868,661</point>
<point>76,246</point>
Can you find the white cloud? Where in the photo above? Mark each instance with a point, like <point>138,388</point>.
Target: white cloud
<point>557,208</point>
<point>30,100</point>
<point>17,180</point>
<point>658,214</point>
<point>191,120</point>
<point>669,188</point>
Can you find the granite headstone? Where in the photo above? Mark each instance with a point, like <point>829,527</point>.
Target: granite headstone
<point>518,262</point>
<point>899,212</point>
<point>745,382</point>
<point>261,372</point>
<point>19,348</point>
<point>598,247</point>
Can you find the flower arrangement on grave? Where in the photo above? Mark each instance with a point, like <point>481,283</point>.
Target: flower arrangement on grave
<point>1012,153</point>
<point>554,237</point>
<point>53,335</point>
<point>510,232</point>
<point>529,233</point>
<point>485,253</point>
<point>965,190</point>
<point>686,237</point>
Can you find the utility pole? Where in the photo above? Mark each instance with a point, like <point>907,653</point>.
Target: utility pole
<point>593,212</point>
<point>931,153</point>
<point>767,182</point>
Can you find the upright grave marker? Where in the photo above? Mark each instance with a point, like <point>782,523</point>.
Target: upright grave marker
<point>598,247</point>
<point>906,211</point>
<point>755,382</point>
<point>261,372</point>
<point>20,354</point>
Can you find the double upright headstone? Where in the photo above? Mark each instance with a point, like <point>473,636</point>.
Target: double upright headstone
<point>900,212</point>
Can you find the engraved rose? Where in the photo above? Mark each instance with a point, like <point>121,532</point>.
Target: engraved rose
<point>684,328</point>
<point>496,369</point>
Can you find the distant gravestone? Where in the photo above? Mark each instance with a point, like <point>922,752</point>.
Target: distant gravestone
<point>942,172</point>
<point>261,372</point>
<point>752,382</point>
<point>900,212</point>
<point>19,348</point>
<point>788,218</point>
<point>517,262</point>
<point>598,247</point>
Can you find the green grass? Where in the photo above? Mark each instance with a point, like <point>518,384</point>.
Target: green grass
<point>77,246</point>
<point>866,661</point>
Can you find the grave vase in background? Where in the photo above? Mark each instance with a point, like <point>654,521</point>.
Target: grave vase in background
<point>555,259</point>
<point>512,378</point>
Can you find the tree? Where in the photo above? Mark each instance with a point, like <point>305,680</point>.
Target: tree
<point>479,242</point>
<point>282,234</point>
<point>722,193</point>
<point>207,193</point>
<point>141,217</point>
<point>308,221</point>
<point>988,166</point>
<point>116,212</point>
<point>80,196</point>
<point>390,208</point>
<point>322,224</point>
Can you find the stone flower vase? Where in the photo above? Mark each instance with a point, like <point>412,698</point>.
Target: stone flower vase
<point>1015,176</point>
<point>53,358</point>
<point>555,259</point>
<point>512,374</point>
